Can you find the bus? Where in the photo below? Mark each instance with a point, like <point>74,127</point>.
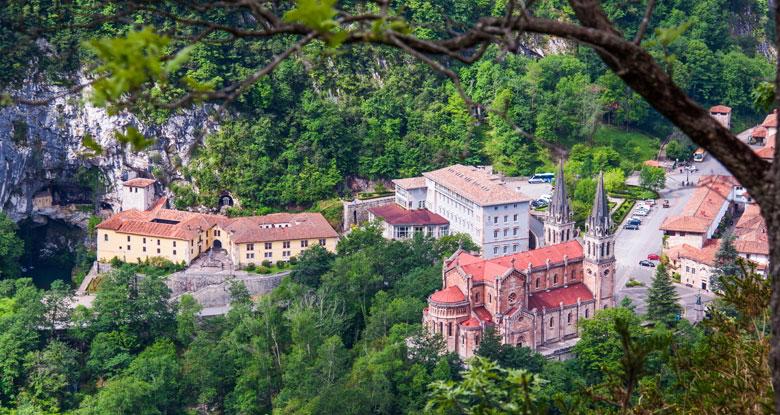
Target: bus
<point>542,178</point>
<point>699,154</point>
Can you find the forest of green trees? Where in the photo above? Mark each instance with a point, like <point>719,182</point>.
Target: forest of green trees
<point>343,333</point>
<point>343,336</point>
<point>373,112</point>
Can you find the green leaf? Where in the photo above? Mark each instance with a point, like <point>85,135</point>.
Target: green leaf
<point>134,138</point>
<point>179,59</point>
<point>316,14</point>
<point>89,142</point>
<point>665,36</point>
<point>764,96</point>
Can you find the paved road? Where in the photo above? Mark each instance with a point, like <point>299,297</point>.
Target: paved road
<point>634,246</point>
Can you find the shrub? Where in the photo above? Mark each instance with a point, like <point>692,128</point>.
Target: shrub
<point>622,211</point>
<point>262,270</point>
<point>281,264</point>
<point>250,267</point>
<point>267,263</point>
<point>116,262</point>
<point>293,260</point>
<point>634,283</point>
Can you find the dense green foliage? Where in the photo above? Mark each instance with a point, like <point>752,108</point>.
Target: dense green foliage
<point>342,336</point>
<point>725,260</point>
<point>319,119</point>
<point>11,248</point>
<point>662,299</point>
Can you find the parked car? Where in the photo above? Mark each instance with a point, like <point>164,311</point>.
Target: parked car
<point>653,257</point>
<point>547,198</point>
<point>642,212</point>
<point>650,202</point>
<point>634,221</point>
<point>631,227</point>
<point>538,203</point>
<point>646,263</point>
<point>666,203</point>
<point>691,168</point>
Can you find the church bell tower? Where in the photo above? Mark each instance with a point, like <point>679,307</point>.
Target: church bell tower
<point>599,247</point>
<point>559,225</point>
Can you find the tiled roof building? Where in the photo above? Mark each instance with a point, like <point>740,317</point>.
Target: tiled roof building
<point>458,199</point>
<point>179,236</point>
<point>533,298</point>
<point>689,237</point>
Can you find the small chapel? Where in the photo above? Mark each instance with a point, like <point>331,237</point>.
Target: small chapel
<point>533,298</point>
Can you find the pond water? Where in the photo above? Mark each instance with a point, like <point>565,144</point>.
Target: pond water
<point>49,250</point>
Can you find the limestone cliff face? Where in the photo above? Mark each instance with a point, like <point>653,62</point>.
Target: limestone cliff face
<point>41,151</point>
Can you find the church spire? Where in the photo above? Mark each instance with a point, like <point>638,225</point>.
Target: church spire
<point>600,221</point>
<point>559,225</point>
<point>560,208</point>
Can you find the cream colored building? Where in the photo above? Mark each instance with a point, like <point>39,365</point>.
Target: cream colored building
<point>134,235</point>
<point>274,237</point>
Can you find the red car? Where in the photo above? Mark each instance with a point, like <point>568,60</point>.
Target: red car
<point>653,257</point>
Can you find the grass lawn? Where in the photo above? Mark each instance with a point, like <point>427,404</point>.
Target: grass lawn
<point>273,269</point>
<point>633,146</point>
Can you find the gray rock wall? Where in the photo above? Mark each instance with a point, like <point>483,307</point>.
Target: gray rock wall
<point>42,145</point>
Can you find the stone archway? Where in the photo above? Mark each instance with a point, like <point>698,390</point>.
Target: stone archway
<point>217,244</point>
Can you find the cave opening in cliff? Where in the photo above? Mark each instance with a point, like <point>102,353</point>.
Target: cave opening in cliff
<point>54,250</point>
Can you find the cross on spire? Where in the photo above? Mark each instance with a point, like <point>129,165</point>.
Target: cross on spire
<point>600,221</point>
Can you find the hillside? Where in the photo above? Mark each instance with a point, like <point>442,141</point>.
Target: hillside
<point>350,330</point>
<point>374,113</point>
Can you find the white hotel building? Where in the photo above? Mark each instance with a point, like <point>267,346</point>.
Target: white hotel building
<point>475,202</point>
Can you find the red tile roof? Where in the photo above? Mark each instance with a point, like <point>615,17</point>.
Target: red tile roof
<point>686,224</point>
<point>279,227</point>
<point>720,109</point>
<point>410,183</point>
<point>448,295</point>
<point>704,255</point>
<point>394,214</point>
<point>703,206</point>
<point>766,153</point>
<point>139,182</point>
<point>187,225</point>
<point>553,298</point>
<point>770,121</point>
<point>476,184</point>
<point>483,314</point>
<point>471,322</point>
<point>751,232</point>
<point>483,269</point>
<point>652,163</point>
<point>758,132</point>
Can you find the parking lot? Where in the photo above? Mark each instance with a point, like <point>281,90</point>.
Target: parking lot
<point>532,190</point>
<point>632,246</point>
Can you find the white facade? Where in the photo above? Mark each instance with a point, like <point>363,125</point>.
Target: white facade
<point>390,231</point>
<point>136,197</point>
<point>410,198</point>
<point>694,274</point>
<point>498,229</point>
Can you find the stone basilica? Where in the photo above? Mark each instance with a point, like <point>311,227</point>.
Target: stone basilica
<point>533,298</point>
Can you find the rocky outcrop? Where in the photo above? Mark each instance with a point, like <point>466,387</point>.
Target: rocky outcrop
<point>41,150</point>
